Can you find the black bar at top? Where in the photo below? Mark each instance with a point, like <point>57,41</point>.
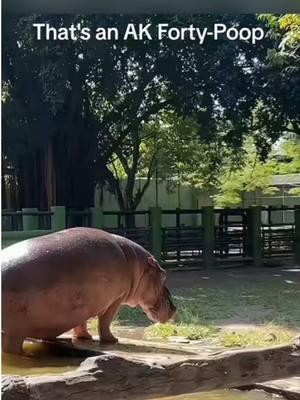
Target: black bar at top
<point>149,6</point>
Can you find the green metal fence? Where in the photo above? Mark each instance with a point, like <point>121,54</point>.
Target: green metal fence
<point>182,244</point>
<point>278,239</point>
<point>141,234</point>
<point>22,220</point>
<point>211,237</point>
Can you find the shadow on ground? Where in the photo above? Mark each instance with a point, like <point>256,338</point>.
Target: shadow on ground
<point>242,297</point>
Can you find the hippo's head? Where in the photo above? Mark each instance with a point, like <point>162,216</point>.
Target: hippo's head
<point>155,298</point>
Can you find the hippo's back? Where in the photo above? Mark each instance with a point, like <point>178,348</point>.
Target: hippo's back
<point>41,262</point>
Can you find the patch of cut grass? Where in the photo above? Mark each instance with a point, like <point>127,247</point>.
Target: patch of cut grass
<point>260,337</point>
<point>191,332</point>
<point>93,326</point>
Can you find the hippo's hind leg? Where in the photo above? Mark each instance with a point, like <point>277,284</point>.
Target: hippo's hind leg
<point>12,343</point>
<point>104,322</point>
<point>81,332</point>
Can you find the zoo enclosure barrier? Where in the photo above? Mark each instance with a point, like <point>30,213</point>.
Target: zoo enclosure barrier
<point>177,237</point>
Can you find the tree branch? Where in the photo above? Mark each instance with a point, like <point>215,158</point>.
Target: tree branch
<point>133,170</point>
<point>134,126</point>
<point>115,186</point>
<point>123,160</point>
<point>140,193</point>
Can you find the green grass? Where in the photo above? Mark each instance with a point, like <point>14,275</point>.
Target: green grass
<point>276,304</point>
<point>200,310</point>
<point>191,332</point>
<point>261,337</point>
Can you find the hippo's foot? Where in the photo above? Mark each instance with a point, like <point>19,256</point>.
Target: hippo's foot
<point>12,344</point>
<point>86,336</point>
<point>108,339</point>
<point>80,332</point>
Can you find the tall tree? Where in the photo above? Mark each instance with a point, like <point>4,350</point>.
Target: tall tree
<point>71,105</point>
<point>277,110</point>
<point>163,147</point>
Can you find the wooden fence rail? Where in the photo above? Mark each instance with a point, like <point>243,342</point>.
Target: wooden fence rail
<point>176,237</point>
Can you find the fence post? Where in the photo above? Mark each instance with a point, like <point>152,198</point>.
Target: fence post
<point>30,222</point>
<point>297,233</point>
<point>256,236</point>
<point>97,219</point>
<point>248,233</point>
<point>58,218</point>
<point>208,226</point>
<point>156,233</point>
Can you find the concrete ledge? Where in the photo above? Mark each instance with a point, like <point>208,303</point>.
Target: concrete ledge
<point>143,372</point>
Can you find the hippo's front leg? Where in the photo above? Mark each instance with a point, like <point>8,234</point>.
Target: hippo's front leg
<point>81,332</point>
<point>12,343</point>
<point>104,322</point>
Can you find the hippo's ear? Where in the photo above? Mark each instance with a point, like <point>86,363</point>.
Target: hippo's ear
<point>152,262</point>
<point>155,264</point>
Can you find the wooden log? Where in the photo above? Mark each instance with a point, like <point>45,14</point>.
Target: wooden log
<point>288,388</point>
<point>111,377</point>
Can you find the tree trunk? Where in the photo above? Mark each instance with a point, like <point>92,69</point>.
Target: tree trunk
<point>14,201</point>
<point>52,180</point>
<point>49,175</point>
<point>29,181</point>
<point>82,186</point>
<point>60,169</point>
<point>4,191</point>
<point>26,176</point>
<point>139,376</point>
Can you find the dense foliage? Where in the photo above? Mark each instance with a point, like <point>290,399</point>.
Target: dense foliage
<point>77,113</point>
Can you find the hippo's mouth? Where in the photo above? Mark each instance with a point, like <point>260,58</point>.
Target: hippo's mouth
<point>163,310</point>
<point>160,316</point>
<point>150,314</point>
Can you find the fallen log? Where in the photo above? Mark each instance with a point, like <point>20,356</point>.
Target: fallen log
<point>111,377</point>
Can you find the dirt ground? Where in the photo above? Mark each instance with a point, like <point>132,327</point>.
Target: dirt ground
<point>247,276</point>
<point>266,279</point>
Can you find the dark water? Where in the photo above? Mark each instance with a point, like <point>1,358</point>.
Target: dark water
<point>41,359</point>
<point>51,359</point>
<point>226,395</point>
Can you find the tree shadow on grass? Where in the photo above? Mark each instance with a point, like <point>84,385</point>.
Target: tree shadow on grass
<point>277,303</point>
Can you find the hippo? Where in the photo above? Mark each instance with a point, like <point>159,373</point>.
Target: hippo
<point>55,283</point>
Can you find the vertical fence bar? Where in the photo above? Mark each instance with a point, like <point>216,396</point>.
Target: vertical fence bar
<point>86,219</point>
<point>208,225</point>
<point>58,218</point>
<point>248,233</point>
<point>270,222</point>
<point>270,215</point>
<point>256,236</point>
<point>156,231</point>
<point>178,232</point>
<point>30,222</point>
<point>97,217</point>
<point>297,233</point>
<point>119,221</point>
